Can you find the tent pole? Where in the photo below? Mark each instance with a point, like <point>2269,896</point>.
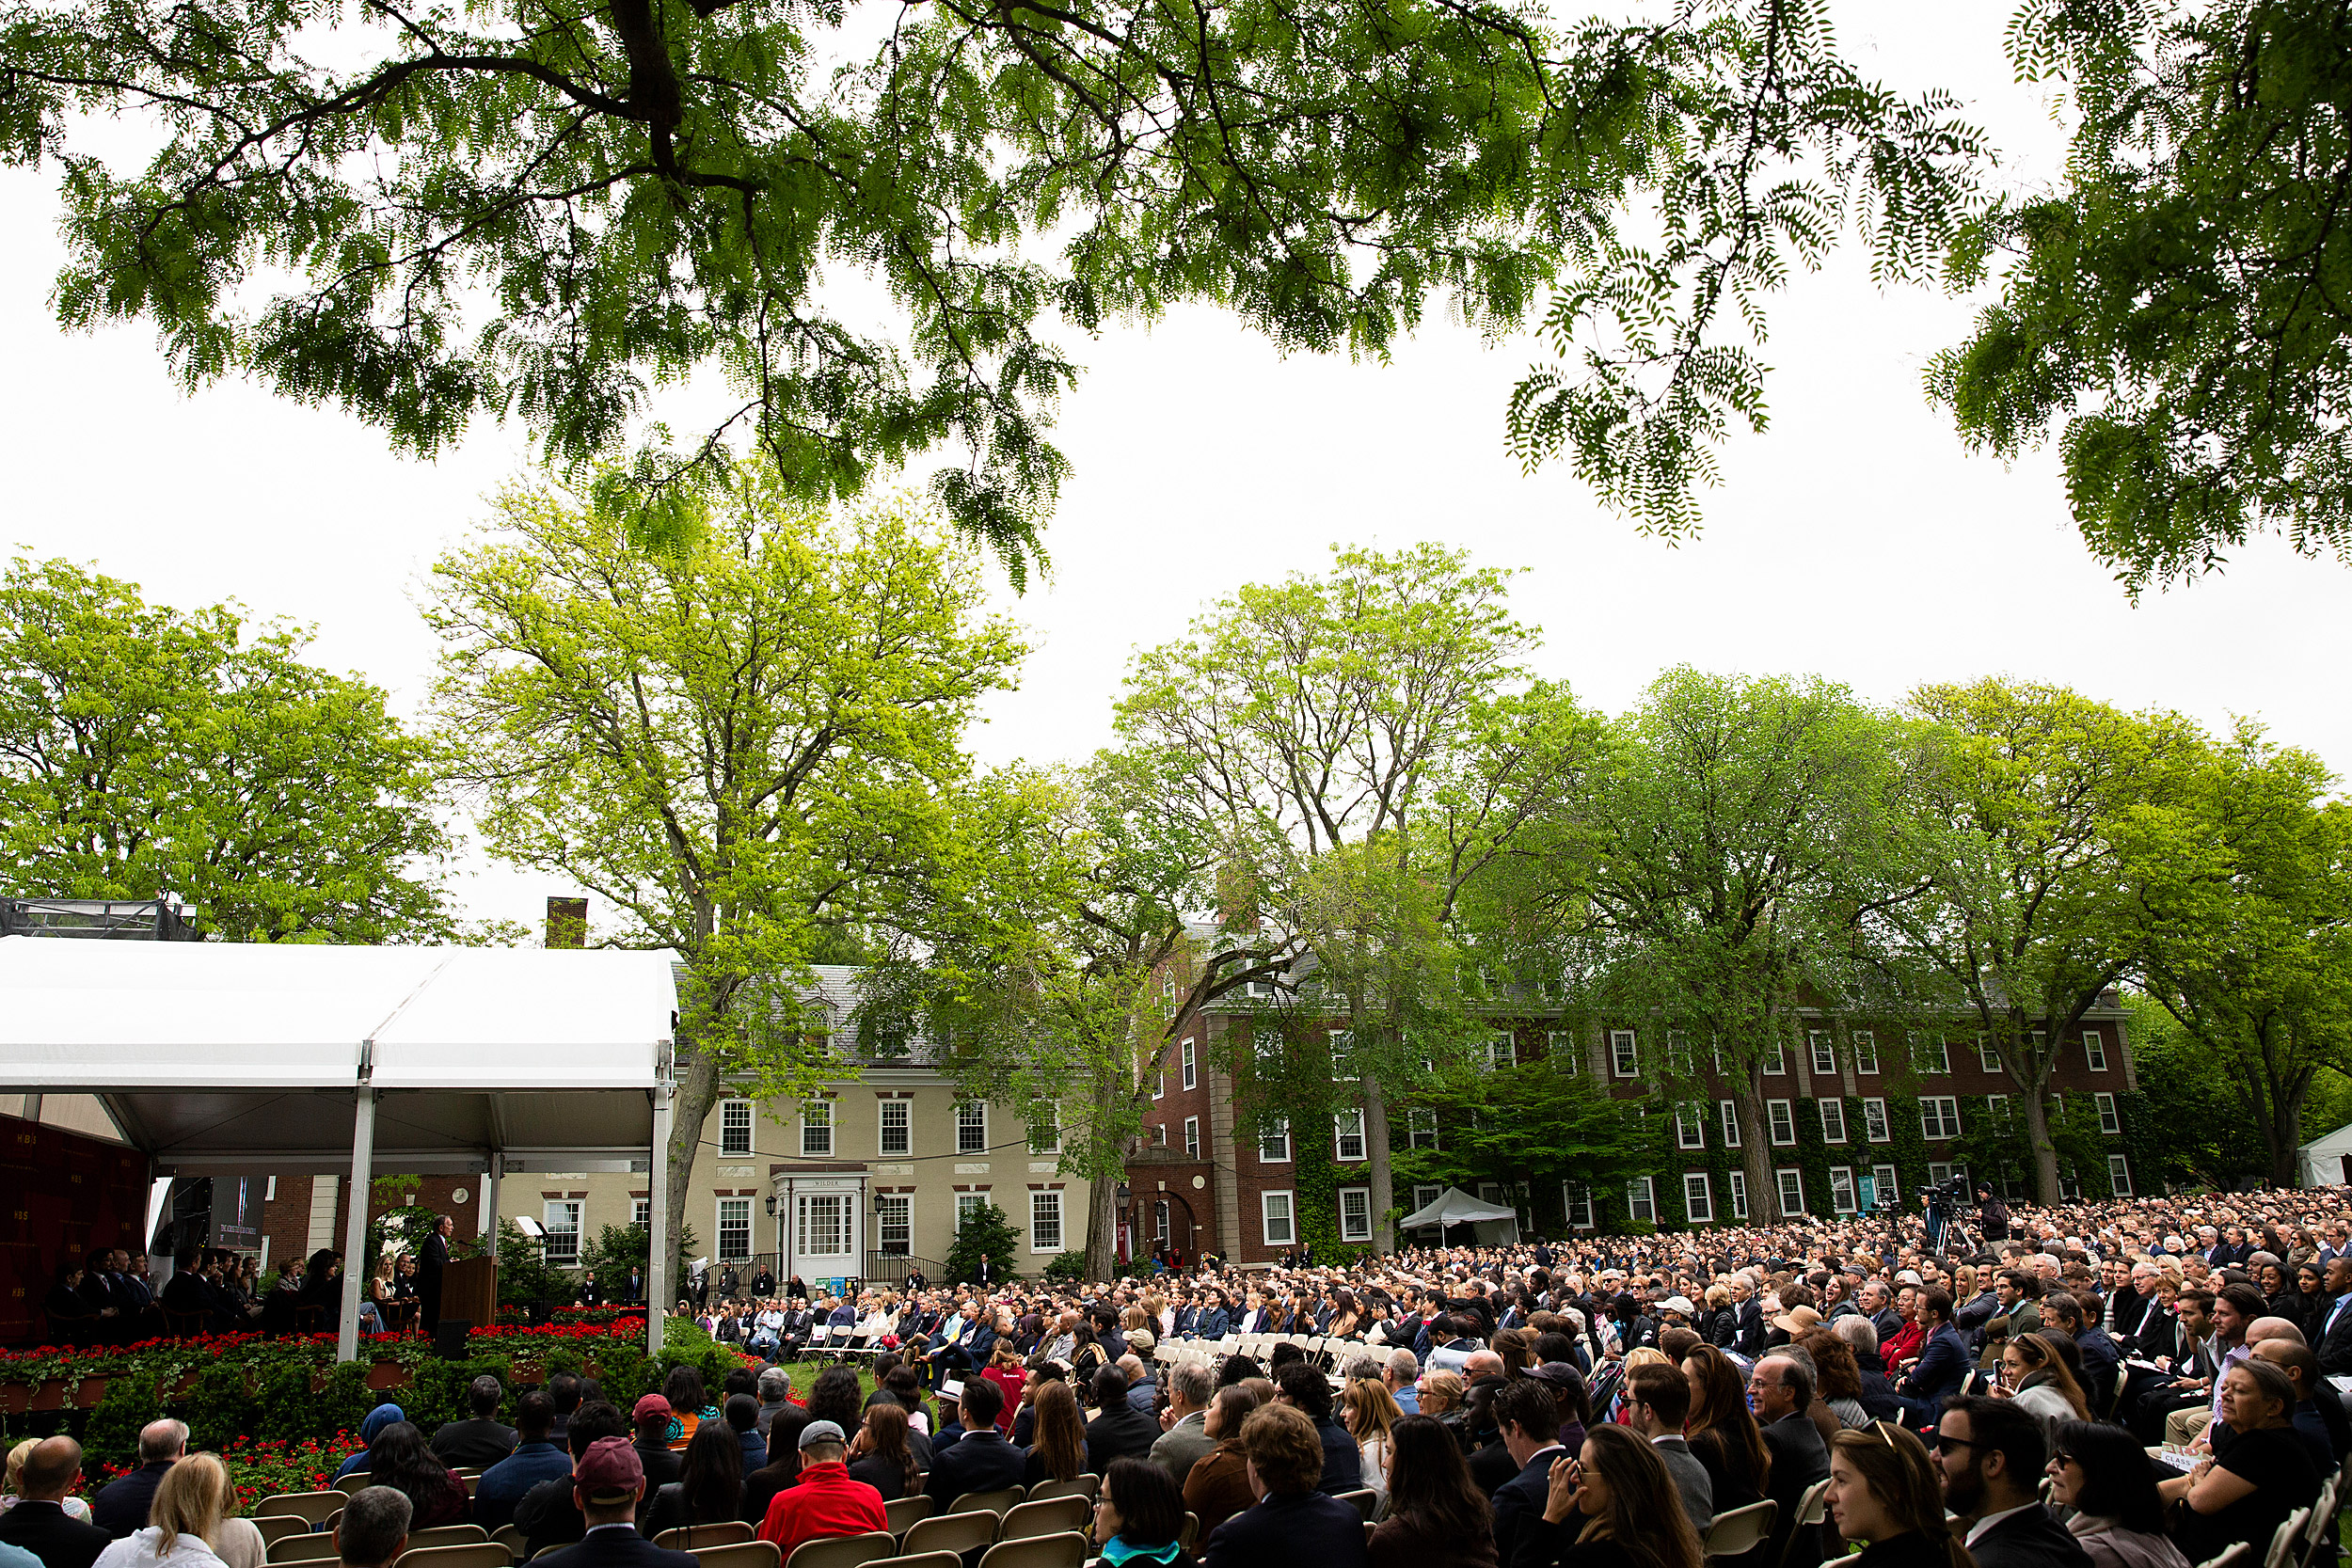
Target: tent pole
<point>355,1227</point>
<point>495,1175</point>
<point>658,1265</point>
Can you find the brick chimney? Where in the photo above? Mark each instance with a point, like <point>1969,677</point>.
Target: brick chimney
<point>567,923</point>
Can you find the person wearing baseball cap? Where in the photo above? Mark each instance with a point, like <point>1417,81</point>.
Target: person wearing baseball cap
<point>826,1500</point>
<point>607,1483</point>
<point>651,1415</point>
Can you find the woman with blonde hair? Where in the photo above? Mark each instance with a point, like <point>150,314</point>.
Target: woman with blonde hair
<point>189,1524</point>
<point>1370,1413</point>
<point>1886,1493</point>
<point>75,1508</point>
<point>1441,1393</point>
<point>2034,1376</point>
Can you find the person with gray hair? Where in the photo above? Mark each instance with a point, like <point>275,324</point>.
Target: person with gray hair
<point>1187,1439</point>
<point>373,1529</point>
<point>775,1396</point>
<point>1401,1376</point>
<point>1362,1367</point>
<point>121,1506</point>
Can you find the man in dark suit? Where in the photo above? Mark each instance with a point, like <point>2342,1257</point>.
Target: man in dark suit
<point>1530,1419</point>
<point>980,1460</point>
<point>1780,1393</point>
<point>1292,1522</point>
<point>607,1483</point>
<point>120,1506</point>
<point>479,1443</point>
<point>432,1259</point>
<point>1658,1403</point>
<point>1119,1430</point>
<point>2335,1323</point>
<point>2101,1360</point>
<point>1301,1386</point>
<point>1943,1363</point>
<point>38,1522</point>
<point>1749,1340</point>
<point>1992,1454</point>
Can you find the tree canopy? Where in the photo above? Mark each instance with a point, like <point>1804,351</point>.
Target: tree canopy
<point>429,213</point>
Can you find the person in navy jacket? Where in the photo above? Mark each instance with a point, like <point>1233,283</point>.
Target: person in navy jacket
<point>1291,1523</point>
<point>1943,1366</point>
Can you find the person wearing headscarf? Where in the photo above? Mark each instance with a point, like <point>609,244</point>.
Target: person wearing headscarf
<point>370,1428</point>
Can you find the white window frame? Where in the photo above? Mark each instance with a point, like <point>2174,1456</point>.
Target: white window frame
<point>816,1128</point>
<point>1739,1180</point>
<point>1159,1133</point>
<point>734,1128</point>
<point>1844,1197</point>
<point>1885,1182</point>
<point>2095,1049</point>
<point>903,1143</point>
<point>1625,1052</point>
<point>2120,1175</point>
<point>1045,1221</point>
<point>641,1213</point>
<point>1424,1195</point>
<point>1822,1044</point>
<point>968,1204</point>
<point>1341,1136</point>
<point>1192,1137</point>
<point>1727,1114</point>
<point>1780,1121</point>
<point>577,1213</point>
<point>1998,1112</point>
<point>1641,1200</point>
<point>1787,1179</point>
<point>1987,1054</point>
<point>732,1209</point>
<point>1188,1074</point>
<point>1052,1115</point>
<point>1939,1065</point>
<point>1421,1122</point>
<point>1875,1127</point>
<point>1576,1202</point>
<point>968,1123</point>
<point>839,1208</point>
<point>1357,1228</point>
<point>1939,1172</point>
<point>1279,1210</point>
<point>1278,1139</point>
<point>1502,1049</point>
<point>1678,1056</point>
<point>1944,1110</point>
<point>1691,1126</point>
<point>2110,1119</point>
<point>1832,1118</point>
<point>1159,1086</point>
<point>1560,1045</point>
<point>901,1205</point>
<point>1698,1197</point>
<point>1776,1065</point>
<point>1865,1052</point>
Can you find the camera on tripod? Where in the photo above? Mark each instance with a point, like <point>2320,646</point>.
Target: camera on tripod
<point>1951,1195</point>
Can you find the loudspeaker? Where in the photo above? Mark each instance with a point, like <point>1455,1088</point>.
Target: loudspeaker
<point>449,1339</point>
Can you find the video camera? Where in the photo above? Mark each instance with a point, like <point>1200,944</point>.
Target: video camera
<point>1951,1194</point>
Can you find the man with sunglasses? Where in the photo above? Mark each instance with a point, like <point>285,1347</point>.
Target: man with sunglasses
<point>1991,1456</point>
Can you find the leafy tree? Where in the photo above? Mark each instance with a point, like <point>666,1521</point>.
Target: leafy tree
<point>2183,304</point>
<point>743,744</point>
<point>982,1231</point>
<point>618,1249</point>
<point>1541,1122</point>
<point>2009,798</point>
<point>2244,882</point>
<point>525,1274</point>
<point>506,209</point>
<point>2204,1141</point>
<point>144,748</point>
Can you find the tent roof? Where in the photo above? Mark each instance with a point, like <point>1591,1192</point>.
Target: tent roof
<point>1456,1206</point>
<point>2337,1142</point>
<point>230,1056</point>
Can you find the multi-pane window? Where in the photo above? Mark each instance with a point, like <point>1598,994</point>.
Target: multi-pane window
<point>1792,1191</point>
<point>967,1205</point>
<point>1192,1137</point>
<point>816,1129</point>
<point>1841,1194</point>
<point>1997,1108</point>
<point>1347,1130</point>
<point>1698,1199</point>
<point>1691,1126</point>
<point>1424,1197</point>
<point>1782,1120</point>
<point>1266,1046</point>
<point>1931,1057</point>
<point>825,1222</point>
<point>1987,1054</point>
<point>893,1224</point>
<point>1044,1128</point>
<point>2095,1049</point>
<point>1045,1222</point>
<point>1824,1052</point>
<point>1625,1054</point>
<point>1739,1180</point>
<point>972,1127</point>
<point>1186,1053</point>
<point>1502,1050</point>
<point>641,1213</point>
<point>1560,1046</point>
<point>1273,1219</point>
<point>2109,1122</point>
<point>1777,1061</point>
<point>2119,1176</point>
<point>1159,1086</point>
<point>1939,1117</point>
<point>1274,1140</point>
<point>735,1230</point>
<point>1865,1053</point>
<point>1833,1121</point>
<point>1874,1121</point>
<point>1160,1213</point>
<point>1578,1202</point>
<point>1678,1052</point>
<point>897,1127</point>
<point>562,1219</point>
<point>1354,1213</point>
<point>1641,1200</point>
<point>735,1127</point>
<point>1729,1114</point>
<point>1421,1127</point>
<point>1882,1184</point>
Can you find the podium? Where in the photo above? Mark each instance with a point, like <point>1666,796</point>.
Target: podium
<point>469,1290</point>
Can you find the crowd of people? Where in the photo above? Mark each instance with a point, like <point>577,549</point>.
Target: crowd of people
<point>2159,1370</point>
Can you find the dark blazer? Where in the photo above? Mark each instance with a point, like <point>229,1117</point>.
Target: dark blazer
<point>1750,1340</point>
<point>1284,1531</point>
<point>51,1535</point>
<point>1689,1479</point>
<point>1521,1499</point>
<point>1342,1459</point>
<point>614,1546</point>
<point>120,1506</point>
<point>1121,1432</point>
<point>2335,1345</point>
<point>2030,1538</point>
<point>976,1462</point>
<point>1942,1367</point>
<point>474,1445</point>
<point>1799,1459</point>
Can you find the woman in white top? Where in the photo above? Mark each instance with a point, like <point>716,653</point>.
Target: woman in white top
<point>2033,1375</point>
<point>1369,1412</point>
<point>189,1525</point>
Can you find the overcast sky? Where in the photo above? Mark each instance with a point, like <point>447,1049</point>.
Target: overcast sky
<point>1857,539</point>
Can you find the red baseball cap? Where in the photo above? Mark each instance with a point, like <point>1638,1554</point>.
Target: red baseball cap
<point>609,1472</point>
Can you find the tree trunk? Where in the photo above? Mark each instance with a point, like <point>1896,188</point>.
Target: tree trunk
<point>1377,1147</point>
<point>1755,1154</point>
<point>2045,1171</point>
<point>697,1091</point>
<point>1103,1195</point>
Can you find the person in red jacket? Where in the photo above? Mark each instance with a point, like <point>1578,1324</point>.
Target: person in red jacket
<point>825,1502</point>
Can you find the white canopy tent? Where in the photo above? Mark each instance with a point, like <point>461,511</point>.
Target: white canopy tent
<point>2322,1163</point>
<point>1493,1222</point>
<point>220,1058</point>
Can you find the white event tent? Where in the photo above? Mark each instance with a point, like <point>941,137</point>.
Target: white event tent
<point>1491,1223</point>
<point>235,1059</point>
